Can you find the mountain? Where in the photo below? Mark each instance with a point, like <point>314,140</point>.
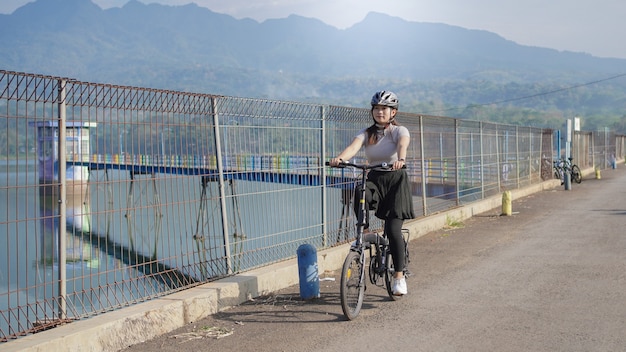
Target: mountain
<point>191,48</point>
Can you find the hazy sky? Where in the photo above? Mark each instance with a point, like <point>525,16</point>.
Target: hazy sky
<point>590,26</point>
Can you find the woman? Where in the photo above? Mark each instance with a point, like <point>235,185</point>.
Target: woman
<point>386,141</point>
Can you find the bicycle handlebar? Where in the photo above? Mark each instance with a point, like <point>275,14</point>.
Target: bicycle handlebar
<point>358,166</point>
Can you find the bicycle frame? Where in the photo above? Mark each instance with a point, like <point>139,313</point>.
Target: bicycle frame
<point>362,214</point>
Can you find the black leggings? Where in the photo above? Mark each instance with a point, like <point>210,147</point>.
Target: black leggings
<point>393,229</point>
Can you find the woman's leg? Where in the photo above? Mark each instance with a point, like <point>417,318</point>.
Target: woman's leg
<point>371,200</point>
<point>393,229</point>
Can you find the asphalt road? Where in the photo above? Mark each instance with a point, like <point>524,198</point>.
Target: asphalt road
<point>551,277</point>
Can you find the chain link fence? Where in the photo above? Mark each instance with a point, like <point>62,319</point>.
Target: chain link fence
<point>116,195</point>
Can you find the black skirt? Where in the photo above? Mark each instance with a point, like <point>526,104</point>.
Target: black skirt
<point>389,193</point>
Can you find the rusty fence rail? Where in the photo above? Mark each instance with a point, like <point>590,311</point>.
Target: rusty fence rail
<point>115,195</point>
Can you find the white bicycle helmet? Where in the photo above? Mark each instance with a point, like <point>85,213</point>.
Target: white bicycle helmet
<point>386,98</point>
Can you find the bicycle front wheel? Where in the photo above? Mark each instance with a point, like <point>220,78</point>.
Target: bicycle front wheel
<point>557,174</point>
<point>577,176</point>
<point>352,287</point>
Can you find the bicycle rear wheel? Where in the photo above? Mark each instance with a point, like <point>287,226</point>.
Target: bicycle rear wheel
<point>389,274</point>
<point>352,287</point>
<point>577,176</point>
<point>391,271</point>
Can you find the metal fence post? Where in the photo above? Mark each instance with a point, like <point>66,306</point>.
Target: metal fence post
<point>482,162</point>
<point>517,155</point>
<point>62,202</point>
<point>457,173</point>
<point>423,164</point>
<point>499,159</point>
<point>220,171</point>
<point>322,175</point>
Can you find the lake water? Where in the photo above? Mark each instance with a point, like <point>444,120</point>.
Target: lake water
<point>165,218</point>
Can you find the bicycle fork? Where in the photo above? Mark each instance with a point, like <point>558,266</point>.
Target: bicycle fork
<point>362,269</point>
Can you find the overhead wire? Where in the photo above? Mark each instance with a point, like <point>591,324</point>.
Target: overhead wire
<point>539,94</point>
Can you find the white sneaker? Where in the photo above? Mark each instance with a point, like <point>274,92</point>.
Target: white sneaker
<point>399,287</point>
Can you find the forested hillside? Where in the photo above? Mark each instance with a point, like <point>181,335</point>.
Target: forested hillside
<point>436,69</point>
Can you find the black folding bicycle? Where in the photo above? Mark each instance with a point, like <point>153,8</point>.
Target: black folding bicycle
<point>367,245</point>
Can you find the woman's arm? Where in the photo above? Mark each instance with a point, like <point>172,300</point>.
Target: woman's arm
<point>347,153</point>
<point>403,146</point>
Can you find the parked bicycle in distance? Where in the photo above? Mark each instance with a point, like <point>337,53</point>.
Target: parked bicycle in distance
<point>372,248</point>
<point>562,166</point>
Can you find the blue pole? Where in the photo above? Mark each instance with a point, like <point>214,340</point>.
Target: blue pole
<point>307,269</point>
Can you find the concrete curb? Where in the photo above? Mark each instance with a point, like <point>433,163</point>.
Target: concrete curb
<point>125,327</point>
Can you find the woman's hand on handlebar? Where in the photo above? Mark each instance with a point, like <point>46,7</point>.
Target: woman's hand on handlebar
<point>398,164</point>
<point>335,162</point>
